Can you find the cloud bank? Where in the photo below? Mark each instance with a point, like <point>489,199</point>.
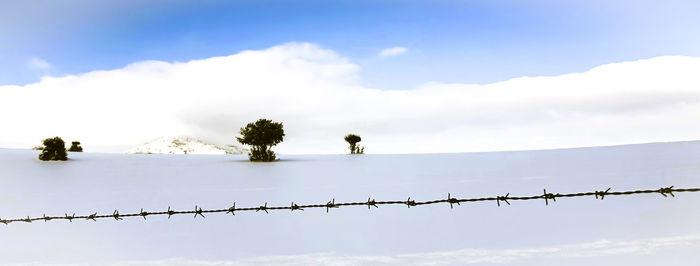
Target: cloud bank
<point>393,51</point>
<point>319,96</point>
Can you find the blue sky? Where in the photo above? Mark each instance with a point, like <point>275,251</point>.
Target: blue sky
<point>447,41</point>
<point>601,72</point>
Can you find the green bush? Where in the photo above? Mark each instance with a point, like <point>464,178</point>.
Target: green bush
<point>261,136</point>
<point>353,139</point>
<point>54,150</point>
<point>75,147</point>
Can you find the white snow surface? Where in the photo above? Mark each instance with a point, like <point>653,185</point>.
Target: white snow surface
<point>620,230</point>
<point>184,145</point>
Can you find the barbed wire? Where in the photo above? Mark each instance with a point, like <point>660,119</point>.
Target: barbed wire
<point>198,211</point>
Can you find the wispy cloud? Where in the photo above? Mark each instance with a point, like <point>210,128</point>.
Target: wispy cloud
<point>535,255</point>
<point>648,100</point>
<point>393,51</point>
<point>38,64</point>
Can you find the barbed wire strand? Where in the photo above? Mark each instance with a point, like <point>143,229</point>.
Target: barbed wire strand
<point>198,211</point>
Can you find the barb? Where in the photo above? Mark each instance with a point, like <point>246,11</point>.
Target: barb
<point>664,191</point>
<point>371,203</point>
<point>547,196</point>
<point>330,204</point>
<point>199,211</point>
<point>116,215</point>
<point>262,208</point>
<point>170,212</point>
<point>410,202</point>
<point>601,194</point>
<point>452,200</point>
<point>143,213</point>
<point>231,209</point>
<point>502,198</point>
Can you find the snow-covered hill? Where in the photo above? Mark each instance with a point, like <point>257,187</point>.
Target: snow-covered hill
<point>635,230</point>
<point>184,145</point>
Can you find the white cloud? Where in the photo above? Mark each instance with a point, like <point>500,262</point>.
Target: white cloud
<point>316,93</point>
<point>38,64</point>
<point>393,51</point>
<point>603,249</point>
<point>476,255</point>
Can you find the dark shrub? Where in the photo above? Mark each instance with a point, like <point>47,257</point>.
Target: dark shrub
<point>261,136</point>
<point>54,150</point>
<point>75,147</point>
<point>353,139</point>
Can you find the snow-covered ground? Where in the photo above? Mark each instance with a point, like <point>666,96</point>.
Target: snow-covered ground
<point>631,230</point>
<point>184,145</point>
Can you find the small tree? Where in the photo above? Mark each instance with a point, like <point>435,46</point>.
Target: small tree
<point>75,147</point>
<point>353,139</point>
<point>54,150</point>
<point>261,136</point>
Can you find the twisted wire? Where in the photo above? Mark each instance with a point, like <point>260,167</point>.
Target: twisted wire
<point>198,211</point>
